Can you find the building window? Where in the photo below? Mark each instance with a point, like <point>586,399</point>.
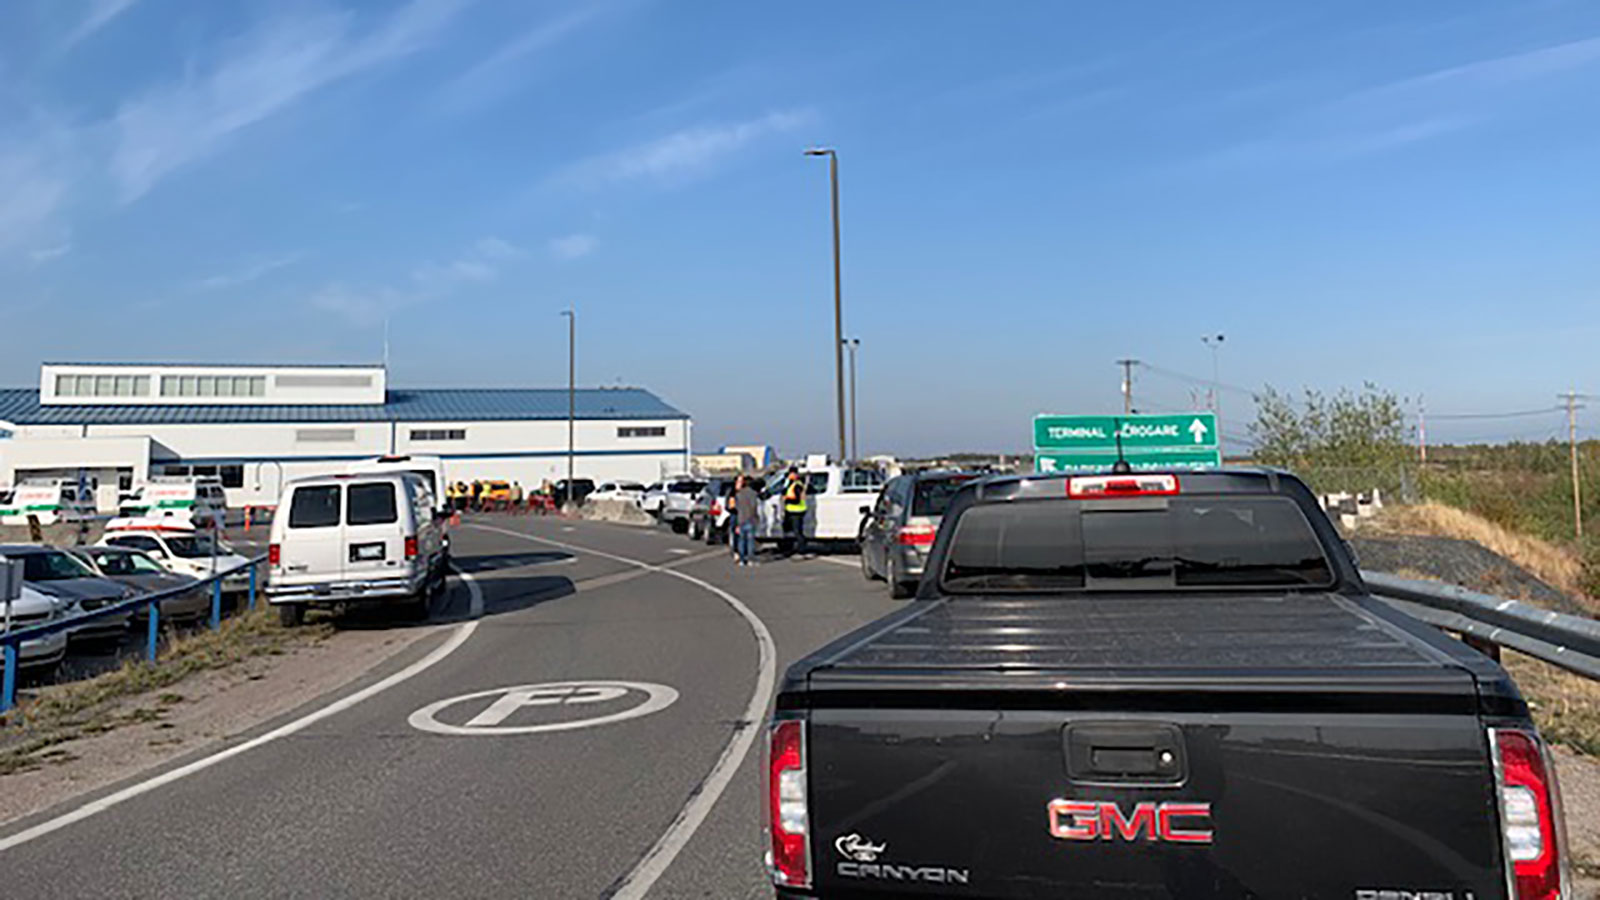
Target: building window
<point>102,385</point>
<point>323,381</point>
<point>438,434</point>
<point>212,385</point>
<point>642,431</point>
<point>325,435</point>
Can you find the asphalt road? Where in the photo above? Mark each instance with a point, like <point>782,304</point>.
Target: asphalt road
<point>364,803</point>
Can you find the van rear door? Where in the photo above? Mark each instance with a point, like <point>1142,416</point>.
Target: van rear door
<point>374,533</point>
<point>312,543</point>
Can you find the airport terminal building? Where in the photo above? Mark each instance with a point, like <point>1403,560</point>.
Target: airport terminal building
<point>257,426</point>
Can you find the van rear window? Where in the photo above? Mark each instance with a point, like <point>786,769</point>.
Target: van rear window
<point>371,504</point>
<point>1196,542</point>
<point>314,507</point>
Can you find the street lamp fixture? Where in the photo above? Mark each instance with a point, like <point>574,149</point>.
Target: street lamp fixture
<point>838,302</point>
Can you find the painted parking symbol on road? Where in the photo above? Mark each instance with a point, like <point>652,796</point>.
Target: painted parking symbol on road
<point>539,708</point>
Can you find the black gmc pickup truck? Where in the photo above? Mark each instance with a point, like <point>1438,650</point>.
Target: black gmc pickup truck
<point>1154,685</point>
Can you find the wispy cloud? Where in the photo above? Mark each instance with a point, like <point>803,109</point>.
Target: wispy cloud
<point>1412,110</point>
<point>41,255</point>
<point>502,72</point>
<point>682,154</point>
<point>573,246</point>
<point>369,305</point>
<point>98,16</point>
<point>248,273</point>
<point>37,172</point>
<point>258,75</point>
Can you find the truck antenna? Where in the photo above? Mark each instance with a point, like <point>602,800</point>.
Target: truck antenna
<point>1120,467</point>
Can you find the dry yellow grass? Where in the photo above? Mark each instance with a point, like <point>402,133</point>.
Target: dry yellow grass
<point>1554,565</point>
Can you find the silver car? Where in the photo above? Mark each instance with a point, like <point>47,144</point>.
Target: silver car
<point>63,576</point>
<point>898,530</point>
<point>136,569</point>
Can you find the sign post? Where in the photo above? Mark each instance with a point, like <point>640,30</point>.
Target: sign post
<point>1147,442</point>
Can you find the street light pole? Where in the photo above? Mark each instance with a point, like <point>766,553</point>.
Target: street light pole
<point>853,344</point>
<point>838,302</point>
<point>572,397</point>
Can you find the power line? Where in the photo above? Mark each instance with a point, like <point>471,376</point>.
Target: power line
<point>1203,382</point>
<point>1456,417</point>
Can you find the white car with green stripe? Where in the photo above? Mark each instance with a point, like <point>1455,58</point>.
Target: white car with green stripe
<point>49,501</point>
<point>192,501</point>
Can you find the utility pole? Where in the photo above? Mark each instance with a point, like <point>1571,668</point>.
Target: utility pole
<point>572,398</point>
<point>1214,341</point>
<point>1422,430</point>
<point>838,302</point>
<point>1572,443</point>
<point>1127,384</point>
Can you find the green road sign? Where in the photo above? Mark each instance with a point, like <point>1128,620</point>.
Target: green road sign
<point>1098,434</point>
<point>1140,461</point>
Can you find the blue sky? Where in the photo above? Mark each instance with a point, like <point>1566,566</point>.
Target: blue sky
<point>1397,192</point>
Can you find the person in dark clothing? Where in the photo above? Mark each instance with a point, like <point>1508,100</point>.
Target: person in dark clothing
<point>794,512</point>
<point>747,515</point>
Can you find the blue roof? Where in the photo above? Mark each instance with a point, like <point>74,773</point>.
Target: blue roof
<point>21,406</point>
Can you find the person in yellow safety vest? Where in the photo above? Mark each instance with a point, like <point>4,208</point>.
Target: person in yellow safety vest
<point>794,512</point>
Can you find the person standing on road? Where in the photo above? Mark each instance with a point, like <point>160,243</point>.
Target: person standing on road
<point>747,515</point>
<point>516,496</point>
<point>794,512</point>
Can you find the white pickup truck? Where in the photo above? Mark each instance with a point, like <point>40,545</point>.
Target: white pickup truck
<point>837,498</point>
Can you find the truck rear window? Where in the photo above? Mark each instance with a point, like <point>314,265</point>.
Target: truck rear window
<point>1195,542</point>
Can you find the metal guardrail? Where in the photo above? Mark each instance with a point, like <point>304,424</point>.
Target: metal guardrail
<point>10,640</point>
<point>1571,642</point>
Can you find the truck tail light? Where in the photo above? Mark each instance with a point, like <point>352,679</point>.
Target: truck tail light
<point>274,554</point>
<point>1531,828</point>
<point>1093,486</point>
<point>787,816</point>
<point>917,535</point>
<point>411,548</point>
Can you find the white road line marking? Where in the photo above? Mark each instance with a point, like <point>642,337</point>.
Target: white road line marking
<point>852,563</point>
<point>679,550</point>
<point>459,637</point>
<point>653,865</point>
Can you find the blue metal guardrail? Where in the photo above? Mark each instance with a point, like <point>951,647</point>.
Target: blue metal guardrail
<point>1571,642</point>
<point>10,640</point>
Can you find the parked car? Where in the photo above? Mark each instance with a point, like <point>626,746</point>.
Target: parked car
<point>197,502</point>
<point>63,576</point>
<point>622,491</point>
<point>178,548</point>
<point>35,607</point>
<point>138,570</point>
<point>355,539</point>
<point>582,488</point>
<point>677,501</point>
<point>708,514</point>
<point>898,531</point>
<point>1162,684</point>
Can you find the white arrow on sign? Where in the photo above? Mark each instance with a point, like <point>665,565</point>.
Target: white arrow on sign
<point>1198,429</point>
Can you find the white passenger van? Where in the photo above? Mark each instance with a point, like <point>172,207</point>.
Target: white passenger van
<point>835,499</point>
<point>51,501</point>
<point>355,538</point>
<point>199,502</point>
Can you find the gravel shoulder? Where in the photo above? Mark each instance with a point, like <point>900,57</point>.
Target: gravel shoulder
<point>204,710</point>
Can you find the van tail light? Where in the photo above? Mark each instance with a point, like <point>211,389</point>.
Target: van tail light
<point>917,535</point>
<point>787,816</point>
<point>1531,827</point>
<point>411,548</point>
<point>716,509</point>
<point>1122,486</point>
<point>274,554</point>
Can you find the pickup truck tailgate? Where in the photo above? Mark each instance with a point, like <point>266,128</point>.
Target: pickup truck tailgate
<point>1214,747</point>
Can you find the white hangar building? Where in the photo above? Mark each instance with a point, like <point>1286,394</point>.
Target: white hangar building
<point>257,426</point>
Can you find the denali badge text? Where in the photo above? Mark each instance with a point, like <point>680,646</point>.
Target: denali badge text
<point>1091,820</point>
<point>863,854</point>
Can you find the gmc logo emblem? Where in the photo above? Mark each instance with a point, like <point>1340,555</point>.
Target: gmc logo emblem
<point>1091,820</point>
